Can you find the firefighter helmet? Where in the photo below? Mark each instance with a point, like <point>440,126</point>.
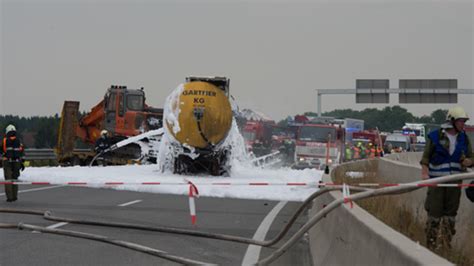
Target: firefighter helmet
<point>10,128</point>
<point>104,132</point>
<point>456,113</point>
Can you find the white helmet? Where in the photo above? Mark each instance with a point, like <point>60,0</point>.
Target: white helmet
<point>456,113</point>
<point>10,128</point>
<point>104,132</point>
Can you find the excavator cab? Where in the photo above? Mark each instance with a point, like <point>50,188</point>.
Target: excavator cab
<point>120,103</point>
<point>126,113</point>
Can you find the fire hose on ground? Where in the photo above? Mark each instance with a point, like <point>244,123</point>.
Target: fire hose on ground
<point>363,193</point>
<point>100,238</point>
<point>48,216</point>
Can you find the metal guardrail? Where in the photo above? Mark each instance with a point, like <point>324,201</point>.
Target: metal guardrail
<point>39,154</point>
<point>44,154</point>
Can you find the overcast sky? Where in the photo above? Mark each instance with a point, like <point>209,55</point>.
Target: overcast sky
<point>276,53</point>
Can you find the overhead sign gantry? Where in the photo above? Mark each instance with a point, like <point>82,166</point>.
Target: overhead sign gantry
<point>427,91</point>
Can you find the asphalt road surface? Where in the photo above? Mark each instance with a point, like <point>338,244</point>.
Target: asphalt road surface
<point>245,218</point>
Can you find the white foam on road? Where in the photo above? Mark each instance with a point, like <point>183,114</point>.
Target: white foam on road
<point>96,176</point>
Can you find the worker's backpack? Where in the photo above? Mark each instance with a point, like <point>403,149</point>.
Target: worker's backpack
<point>470,192</point>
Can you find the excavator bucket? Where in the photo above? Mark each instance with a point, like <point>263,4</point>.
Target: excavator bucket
<point>67,127</point>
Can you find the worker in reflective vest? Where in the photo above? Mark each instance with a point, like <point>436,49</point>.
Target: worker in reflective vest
<point>349,152</point>
<point>378,151</point>
<point>371,150</point>
<point>448,151</point>
<point>357,151</point>
<point>13,152</point>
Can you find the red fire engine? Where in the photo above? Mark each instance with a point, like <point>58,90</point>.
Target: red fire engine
<point>258,136</point>
<point>367,136</point>
<point>318,144</point>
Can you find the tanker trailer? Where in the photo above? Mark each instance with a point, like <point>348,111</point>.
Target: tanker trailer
<point>198,118</point>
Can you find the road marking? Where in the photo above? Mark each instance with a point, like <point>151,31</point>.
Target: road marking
<point>129,203</point>
<point>56,225</point>
<point>35,189</point>
<point>253,252</point>
<point>38,189</point>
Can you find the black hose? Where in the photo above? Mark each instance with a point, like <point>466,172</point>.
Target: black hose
<point>204,136</point>
<point>8,226</point>
<point>22,211</point>
<point>95,237</point>
<point>172,230</point>
<point>162,254</point>
<point>95,158</point>
<point>48,216</point>
<point>121,243</point>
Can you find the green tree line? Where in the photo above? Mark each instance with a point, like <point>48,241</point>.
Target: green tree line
<point>35,131</point>
<point>387,119</point>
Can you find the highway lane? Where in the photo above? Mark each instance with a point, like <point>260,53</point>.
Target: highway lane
<point>227,216</point>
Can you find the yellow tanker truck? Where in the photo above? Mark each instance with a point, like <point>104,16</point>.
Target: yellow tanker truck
<point>198,119</point>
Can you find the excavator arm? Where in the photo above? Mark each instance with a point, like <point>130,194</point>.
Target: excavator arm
<point>89,127</point>
<point>70,128</point>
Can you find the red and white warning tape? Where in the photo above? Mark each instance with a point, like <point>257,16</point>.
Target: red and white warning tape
<point>193,192</point>
<point>345,194</point>
<point>398,184</point>
<point>160,183</point>
<point>314,184</point>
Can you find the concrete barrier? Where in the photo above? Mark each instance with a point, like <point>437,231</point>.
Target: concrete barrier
<point>412,158</point>
<point>354,237</point>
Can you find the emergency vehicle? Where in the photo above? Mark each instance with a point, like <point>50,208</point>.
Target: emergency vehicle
<point>368,136</point>
<point>258,136</point>
<point>319,143</point>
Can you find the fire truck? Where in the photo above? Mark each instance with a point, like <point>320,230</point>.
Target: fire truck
<point>367,136</point>
<point>319,143</point>
<point>416,130</point>
<point>258,136</point>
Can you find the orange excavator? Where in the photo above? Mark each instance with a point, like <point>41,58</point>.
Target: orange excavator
<point>123,113</point>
